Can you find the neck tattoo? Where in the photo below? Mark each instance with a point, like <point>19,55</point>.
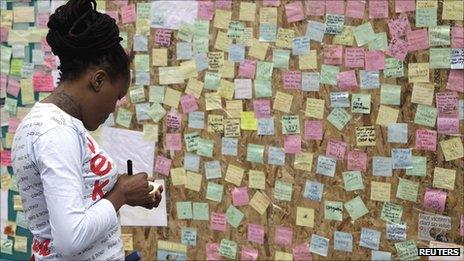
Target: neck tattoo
<point>65,102</point>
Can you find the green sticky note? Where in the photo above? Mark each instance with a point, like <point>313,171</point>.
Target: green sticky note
<point>228,249</point>
<point>393,68</point>
<point>16,66</point>
<point>184,209</point>
<point>361,103</point>
<point>142,62</point>
<point>339,118</point>
<point>283,190</point>
<point>6,246</point>
<point>205,147</point>
<point>390,94</point>
<point>234,216</point>
<point>353,180</point>
<point>263,88</point>
<point>333,210</point>
<point>439,35</point>
<point>201,28</point>
<point>407,190</point>
<point>124,41</point>
<point>363,33</point>
<point>200,44</point>
<point>391,212</point>
<point>200,211</point>
<point>156,112</point>
<point>425,115</point>
<point>290,124</point>
<point>191,141</point>
<point>11,105</point>
<point>214,192</point>
<point>419,167</point>
<point>124,117</point>
<point>280,58</point>
<point>329,74</point>
<point>236,29</point>
<point>189,236</point>
<point>426,17</point>
<point>264,70</point>
<point>356,208</point>
<point>255,153</point>
<point>185,32</point>
<point>440,58</point>
<point>407,250</point>
<point>379,42</point>
<point>212,81</point>
<point>156,93</point>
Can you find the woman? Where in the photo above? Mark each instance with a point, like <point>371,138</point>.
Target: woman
<point>70,188</point>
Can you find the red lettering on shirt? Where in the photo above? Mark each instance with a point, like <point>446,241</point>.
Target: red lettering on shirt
<point>99,168</point>
<point>41,248</point>
<point>98,189</point>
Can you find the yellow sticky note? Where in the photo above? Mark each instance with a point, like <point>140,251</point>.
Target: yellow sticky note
<point>222,18</point>
<point>258,49</point>
<point>284,256</point>
<point>150,132</point>
<point>234,174</point>
<point>346,37</point>
<point>171,75</point>
<point>380,191</point>
<point>247,11</point>
<point>27,92</point>
<point>232,128</point>
<point>128,242</point>
<point>426,4</point>
<point>453,10</point>
<point>172,97</point>
<point>17,203</point>
<point>304,217</point>
<point>285,38</point>
<point>222,41</point>
<point>304,161</point>
<point>315,108</point>
<point>226,89</point>
<point>444,178</point>
<point>5,181</point>
<point>23,14</point>
<point>213,101</point>
<point>256,179</point>
<point>268,15</point>
<point>159,57</point>
<point>283,102</point>
<point>172,246</point>
<point>260,202</point>
<point>227,70</point>
<point>422,93</point>
<point>178,176</point>
<point>365,136</point>
<point>194,87</point>
<point>215,60</point>
<point>215,123</point>
<point>20,244</point>
<point>452,148</point>
<point>189,69</point>
<point>22,111</point>
<point>234,108</point>
<point>9,140</point>
<point>6,18</point>
<point>248,121</point>
<point>418,72</point>
<point>387,115</point>
<point>308,61</point>
<point>193,181</point>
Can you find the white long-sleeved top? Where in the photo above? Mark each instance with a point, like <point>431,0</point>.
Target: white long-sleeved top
<point>62,176</point>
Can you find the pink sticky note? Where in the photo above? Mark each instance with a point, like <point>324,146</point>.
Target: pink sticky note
<point>247,69</point>
<point>224,4</point>
<point>121,102</point>
<point>173,120</point>
<point>294,11</point>
<point>13,124</point>
<point>121,2</point>
<point>41,20</point>
<point>347,80</point>
<point>163,37</point>
<point>435,199</point>
<point>114,15</point>
<point>336,149</point>
<point>378,9</point>
<point>249,254</point>
<point>188,103</point>
<point>44,44</point>
<point>292,144</point>
<point>398,48</point>
<point>240,196</point>
<point>212,251</point>
<point>292,80</point>
<point>315,7</point>
<point>447,104</point>
<point>336,7</point>
<point>205,10</point>
<point>456,81</point>
<point>218,221</point>
<point>5,158</point>
<point>404,6</point>
<point>271,2</point>
<point>447,125</point>
<point>283,236</point>
<point>418,40</point>
<point>50,61</point>
<point>163,165</point>
<point>314,129</point>
<point>3,34</point>
<point>375,60</point>
<point>13,87</point>
<point>3,81</point>
<point>262,108</point>
<point>42,81</point>
<point>356,160</point>
<point>128,14</point>
<point>355,8</point>
<point>426,140</point>
<point>354,57</point>
<point>301,252</point>
<point>333,54</point>
<point>399,26</point>
<point>457,37</point>
<point>256,233</point>
<point>174,141</point>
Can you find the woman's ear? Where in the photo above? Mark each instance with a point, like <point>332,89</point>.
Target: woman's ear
<point>97,79</point>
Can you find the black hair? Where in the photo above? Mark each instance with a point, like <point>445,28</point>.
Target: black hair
<point>82,37</point>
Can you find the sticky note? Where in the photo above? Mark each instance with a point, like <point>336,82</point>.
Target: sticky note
<point>356,208</point>
<point>407,190</point>
<point>444,178</point>
<point>260,202</point>
<point>452,148</point>
<point>343,241</point>
<point>370,238</point>
<point>380,191</point>
<point>391,212</point>
<point>333,210</point>
<point>255,233</point>
<point>305,217</point>
<point>319,245</point>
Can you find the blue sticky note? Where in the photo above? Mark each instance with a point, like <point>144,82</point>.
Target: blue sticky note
<point>398,132</point>
<point>236,53</point>
<point>189,236</point>
<point>370,238</point>
<point>276,156</point>
<point>382,166</point>
<point>213,169</point>
<point>192,162</point>
<point>402,158</point>
<point>313,190</point>
<point>266,126</point>
<point>196,120</point>
<point>343,241</point>
<point>229,146</point>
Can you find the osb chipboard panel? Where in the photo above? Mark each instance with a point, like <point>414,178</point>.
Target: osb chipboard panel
<point>284,213</point>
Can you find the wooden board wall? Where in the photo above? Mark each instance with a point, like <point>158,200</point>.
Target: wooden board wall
<point>283,213</point>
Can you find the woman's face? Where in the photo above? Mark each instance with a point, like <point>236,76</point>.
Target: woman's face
<point>101,100</point>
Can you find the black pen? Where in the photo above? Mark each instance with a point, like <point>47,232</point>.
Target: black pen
<point>129,167</point>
